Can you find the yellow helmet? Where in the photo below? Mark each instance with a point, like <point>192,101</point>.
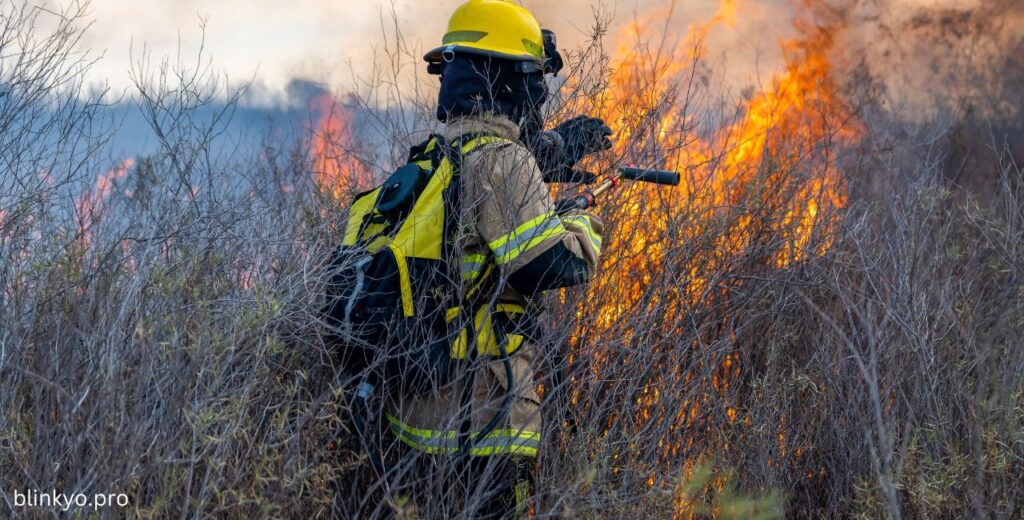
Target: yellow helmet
<point>496,28</point>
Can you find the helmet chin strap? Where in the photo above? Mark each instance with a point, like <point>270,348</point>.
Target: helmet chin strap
<point>553,62</point>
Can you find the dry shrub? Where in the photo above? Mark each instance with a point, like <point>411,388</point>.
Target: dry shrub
<point>165,342</point>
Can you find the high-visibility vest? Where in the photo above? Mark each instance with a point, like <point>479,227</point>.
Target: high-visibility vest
<point>398,299</point>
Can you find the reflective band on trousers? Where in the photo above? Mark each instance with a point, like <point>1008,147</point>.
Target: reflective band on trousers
<point>528,235</point>
<point>472,265</point>
<point>508,441</point>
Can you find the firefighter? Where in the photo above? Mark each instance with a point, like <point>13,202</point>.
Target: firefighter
<point>492,65</point>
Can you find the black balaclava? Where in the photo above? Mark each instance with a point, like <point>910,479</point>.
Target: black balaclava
<point>474,85</point>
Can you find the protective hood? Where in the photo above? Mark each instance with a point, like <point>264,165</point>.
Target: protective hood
<point>478,85</point>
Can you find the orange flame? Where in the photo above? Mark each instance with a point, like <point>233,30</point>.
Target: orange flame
<point>89,205</point>
<point>798,115</point>
<point>3,220</point>
<point>791,119</point>
<point>336,168</point>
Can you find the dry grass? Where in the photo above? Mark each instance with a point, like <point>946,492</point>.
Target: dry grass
<point>167,344</point>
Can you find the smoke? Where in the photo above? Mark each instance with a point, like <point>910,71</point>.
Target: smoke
<point>930,56</point>
<point>961,58</point>
<point>244,39</point>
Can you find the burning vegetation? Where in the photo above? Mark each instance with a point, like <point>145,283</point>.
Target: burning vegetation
<point>822,320</point>
<point>334,155</point>
<point>761,190</point>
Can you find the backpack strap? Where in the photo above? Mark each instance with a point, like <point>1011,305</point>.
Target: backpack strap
<point>456,153</point>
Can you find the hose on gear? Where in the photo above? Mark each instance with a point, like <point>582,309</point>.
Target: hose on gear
<point>360,409</point>
<point>466,439</point>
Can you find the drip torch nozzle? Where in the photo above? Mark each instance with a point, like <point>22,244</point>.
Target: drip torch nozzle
<point>664,177</point>
<point>586,199</point>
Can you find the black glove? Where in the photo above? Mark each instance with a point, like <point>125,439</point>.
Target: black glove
<point>558,150</point>
<point>583,136</point>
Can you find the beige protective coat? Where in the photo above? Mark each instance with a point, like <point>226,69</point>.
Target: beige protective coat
<point>502,189</point>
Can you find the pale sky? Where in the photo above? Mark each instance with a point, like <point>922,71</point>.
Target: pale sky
<point>327,40</point>
<point>274,40</point>
<point>317,39</point>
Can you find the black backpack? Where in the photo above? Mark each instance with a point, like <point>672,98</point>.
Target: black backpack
<point>394,296</point>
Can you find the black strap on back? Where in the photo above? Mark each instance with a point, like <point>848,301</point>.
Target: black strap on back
<point>477,298</point>
<point>453,196</point>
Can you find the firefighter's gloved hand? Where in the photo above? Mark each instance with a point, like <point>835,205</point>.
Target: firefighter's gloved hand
<point>558,150</point>
<point>548,149</point>
<point>583,136</point>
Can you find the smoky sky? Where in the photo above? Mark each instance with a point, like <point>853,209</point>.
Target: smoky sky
<point>911,44</point>
<point>338,41</point>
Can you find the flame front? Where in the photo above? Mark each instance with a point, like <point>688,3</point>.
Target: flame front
<point>799,116</point>
<point>778,153</point>
<point>337,170</point>
<point>89,205</point>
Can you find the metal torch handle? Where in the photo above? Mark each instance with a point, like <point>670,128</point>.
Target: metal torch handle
<point>586,199</point>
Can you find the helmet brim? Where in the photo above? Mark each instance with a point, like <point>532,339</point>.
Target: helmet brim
<point>437,55</point>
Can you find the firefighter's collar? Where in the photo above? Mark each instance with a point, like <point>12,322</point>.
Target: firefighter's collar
<point>487,124</point>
